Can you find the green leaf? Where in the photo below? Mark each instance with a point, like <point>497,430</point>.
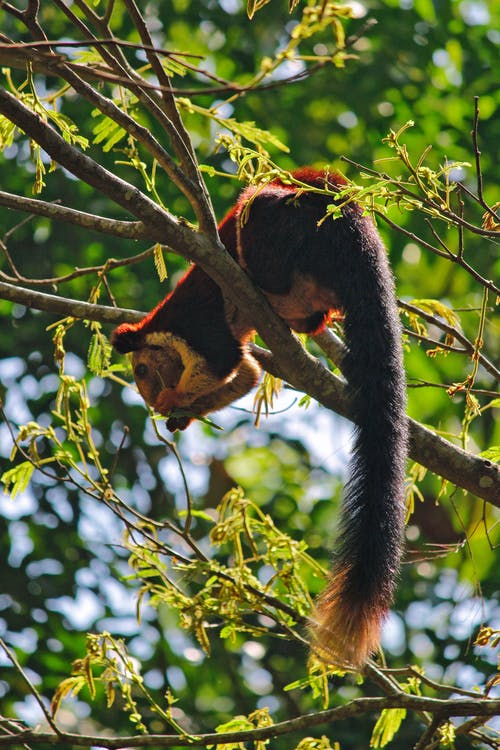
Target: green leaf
<point>387,726</point>
<point>447,733</point>
<point>18,477</point>
<point>7,130</point>
<point>435,307</point>
<point>161,268</point>
<point>315,743</point>
<point>246,129</point>
<point>492,453</point>
<point>70,685</point>
<point>99,353</point>
<point>237,724</point>
<point>107,131</point>
<point>196,514</point>
<point>495,404</point>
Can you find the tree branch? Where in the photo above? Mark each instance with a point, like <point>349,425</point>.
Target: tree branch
<point>67,307</point>
<point>13,659</point>
<point>119,191</point>
<point>473,473</point>
<point>442,212</point>
<point>458,335</point>
<point>146,138</point>
<point>357,707</point>
<point>100,270</point>
<point>162,107</point>
<point>133,230</point>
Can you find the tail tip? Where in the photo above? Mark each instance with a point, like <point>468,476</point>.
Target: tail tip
<point>345,634</point>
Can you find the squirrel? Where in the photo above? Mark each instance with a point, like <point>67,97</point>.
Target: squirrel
<point>190,356</point>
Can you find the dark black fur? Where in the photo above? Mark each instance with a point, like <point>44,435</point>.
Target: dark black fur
<point>346,255</point>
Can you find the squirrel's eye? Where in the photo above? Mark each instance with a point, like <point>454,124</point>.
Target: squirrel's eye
<point>141,371</point>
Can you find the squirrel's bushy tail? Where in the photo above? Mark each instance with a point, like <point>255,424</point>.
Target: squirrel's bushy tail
<point>287,237</point>
<point>351,610</point>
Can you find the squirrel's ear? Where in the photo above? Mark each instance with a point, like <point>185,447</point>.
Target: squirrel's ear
<point>127,338</point>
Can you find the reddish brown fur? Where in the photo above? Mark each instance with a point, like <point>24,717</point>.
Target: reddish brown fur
<point>345,631</point>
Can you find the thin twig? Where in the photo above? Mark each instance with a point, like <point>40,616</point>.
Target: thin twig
<point>429,733</point>
<point>13,659</point>
<point>175,452</point>
<point>434,342</point>
<point>419,383</point>
<point>460,227</point>
<point>99,43</point>
<point>447,215</point>
<point>454,333</point>
<point>56,280</point>
<point>494,215</point>
<point>477,153</point>
<point>435,234</point>
<point>438,686</point>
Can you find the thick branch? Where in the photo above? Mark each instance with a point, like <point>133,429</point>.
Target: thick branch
<point>357,707</point>
<point>144,136</point>
<point>68,72</point>
<point>166,114</point>
<point>118,190</point>
<point>133,230</point>
<point>473,473</point>
<point>66,307</point>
